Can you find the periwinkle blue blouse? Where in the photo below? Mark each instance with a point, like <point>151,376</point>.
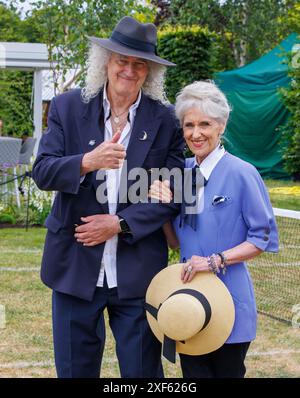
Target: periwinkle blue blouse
<point>246,214</point>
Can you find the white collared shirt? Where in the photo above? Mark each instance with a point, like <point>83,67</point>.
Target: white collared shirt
<point>206,167</point>
<point>109,259</point>
<point>209,163</point>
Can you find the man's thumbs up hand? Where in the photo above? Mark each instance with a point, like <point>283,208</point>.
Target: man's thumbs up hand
<point>108,155</point>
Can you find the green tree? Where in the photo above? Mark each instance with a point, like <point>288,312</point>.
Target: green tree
<point>15,86</point>
<point>290,22</point>
<point>246,28</point>
<point>10,24</point>
<point>291,98</point>
<point>291,131</point>
<point>163,12</point>
<point>254,26</point>
<point>65,27</point>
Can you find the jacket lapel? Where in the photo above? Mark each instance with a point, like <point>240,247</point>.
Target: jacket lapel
<point>92,132</point>
<point>145,129</point>
<point>143,134</point>
<point>92,125</point>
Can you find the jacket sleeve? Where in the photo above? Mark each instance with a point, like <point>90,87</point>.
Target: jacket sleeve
<point>258,213</point>
<point>145,218</point>
<point>53,170</point>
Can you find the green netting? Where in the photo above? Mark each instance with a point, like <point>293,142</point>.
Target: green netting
<point>252,132</point>
<point>276,277</point>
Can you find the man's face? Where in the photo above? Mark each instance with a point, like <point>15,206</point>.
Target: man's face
<point>126,75</point>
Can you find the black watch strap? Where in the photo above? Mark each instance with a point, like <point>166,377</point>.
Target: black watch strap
<point>124,226</point>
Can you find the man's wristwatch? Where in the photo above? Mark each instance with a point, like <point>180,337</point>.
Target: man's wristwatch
<point>124,226</point>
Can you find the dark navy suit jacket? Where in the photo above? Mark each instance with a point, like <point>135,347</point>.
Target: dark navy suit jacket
<point>67,265</point>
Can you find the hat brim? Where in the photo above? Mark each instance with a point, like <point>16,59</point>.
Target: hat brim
<point>110,44</point>
<point>215,334</point>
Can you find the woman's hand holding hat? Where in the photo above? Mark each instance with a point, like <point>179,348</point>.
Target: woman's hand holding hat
<point>192,319</point>
<point>194,265</point>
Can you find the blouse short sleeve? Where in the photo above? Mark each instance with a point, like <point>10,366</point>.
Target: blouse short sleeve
<point>258,213</point>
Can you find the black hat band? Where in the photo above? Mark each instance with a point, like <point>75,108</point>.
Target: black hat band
<point>133,43</point>
<point>169,345</point>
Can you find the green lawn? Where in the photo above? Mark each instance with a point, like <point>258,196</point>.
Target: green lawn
<point>26,340</point>
<point>283,201</point>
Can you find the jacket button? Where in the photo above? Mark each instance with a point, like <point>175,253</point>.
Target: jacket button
<point>266,238</point>
<point>267,230</point>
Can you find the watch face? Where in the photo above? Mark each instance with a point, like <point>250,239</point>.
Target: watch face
<point>124,226</point>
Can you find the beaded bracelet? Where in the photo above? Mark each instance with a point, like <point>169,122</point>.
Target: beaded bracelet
<point>209,264</point>
<point>211,260</point>
<point>223,262</point>
<point>214,256</point>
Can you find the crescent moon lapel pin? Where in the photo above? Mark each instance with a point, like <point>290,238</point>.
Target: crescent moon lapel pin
<point>144,136</point>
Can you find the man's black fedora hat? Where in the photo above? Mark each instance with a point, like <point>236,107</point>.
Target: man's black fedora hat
<point>133,38</point>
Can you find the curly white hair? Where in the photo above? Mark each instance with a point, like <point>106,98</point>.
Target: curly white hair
<point>97,76</point>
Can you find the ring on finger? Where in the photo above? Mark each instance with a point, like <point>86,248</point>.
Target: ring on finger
<point>189,269</point>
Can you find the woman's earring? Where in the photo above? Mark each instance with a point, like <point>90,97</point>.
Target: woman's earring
<point>221,141</point>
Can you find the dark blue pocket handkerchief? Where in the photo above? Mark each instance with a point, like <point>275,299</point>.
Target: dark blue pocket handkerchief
<point>219,199</point>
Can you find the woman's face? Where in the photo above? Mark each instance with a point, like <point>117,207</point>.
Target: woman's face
<point>201,133</point>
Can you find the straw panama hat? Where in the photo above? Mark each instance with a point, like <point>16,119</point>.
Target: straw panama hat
<point>192,318</point>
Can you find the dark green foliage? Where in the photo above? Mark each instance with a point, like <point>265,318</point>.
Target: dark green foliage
<point>291,131</point>
<point>60,25</point>
<point>15,86</point>
<point>15,102</point>
<point>7,219</point>
<point>174,256</point>
<point>246,28</point>
<point>10,25</point>
<point>190,48</point>
<point>291,98</point>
